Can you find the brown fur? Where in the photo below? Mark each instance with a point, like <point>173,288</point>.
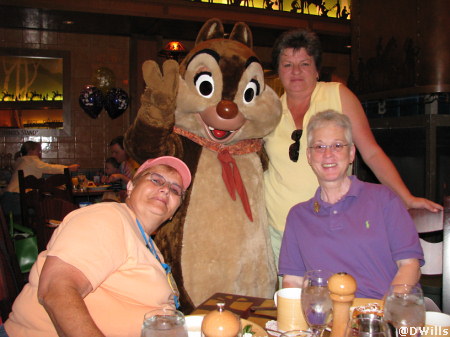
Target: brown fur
<point>211,243</point>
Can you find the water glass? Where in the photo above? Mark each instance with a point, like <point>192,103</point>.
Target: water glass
<point>165,322</point>
<point>316,301</point>
<point>82,181</point>
<point>404,308</point>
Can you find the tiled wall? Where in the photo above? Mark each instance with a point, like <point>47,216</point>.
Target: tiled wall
<point>87,144</point>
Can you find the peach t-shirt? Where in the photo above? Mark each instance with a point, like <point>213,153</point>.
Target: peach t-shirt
<point>104,243</point>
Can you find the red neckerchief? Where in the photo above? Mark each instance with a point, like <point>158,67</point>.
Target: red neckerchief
<point>230,172</point>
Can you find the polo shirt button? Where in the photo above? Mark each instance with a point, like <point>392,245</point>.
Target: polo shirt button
<point>335,212</point>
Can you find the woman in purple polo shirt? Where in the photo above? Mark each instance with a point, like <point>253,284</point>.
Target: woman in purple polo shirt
<point>348,226</point>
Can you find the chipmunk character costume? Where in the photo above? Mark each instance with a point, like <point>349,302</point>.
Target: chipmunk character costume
<point>212,111</point>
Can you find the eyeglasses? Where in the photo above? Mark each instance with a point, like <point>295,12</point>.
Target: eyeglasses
<point>160,181</point>
<point>294,148</point>
<point>336,147</point>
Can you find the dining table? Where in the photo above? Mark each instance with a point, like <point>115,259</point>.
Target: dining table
<point>257,310</point>
<point>89,194</point>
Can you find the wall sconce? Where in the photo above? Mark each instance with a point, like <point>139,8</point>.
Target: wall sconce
<point>173,50</point>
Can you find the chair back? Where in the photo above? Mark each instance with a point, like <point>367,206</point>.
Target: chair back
<point>58,186</point>
<point>11,279</point>
<point>429,222</point>
<point>44,199</point>
<point>434,233</point>
<point>50,213</point>
<point>27,185</point>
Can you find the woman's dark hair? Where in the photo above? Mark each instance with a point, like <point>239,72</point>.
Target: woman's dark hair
<point>296,39</point>
<point>113,162</point>
<point>27,147</point>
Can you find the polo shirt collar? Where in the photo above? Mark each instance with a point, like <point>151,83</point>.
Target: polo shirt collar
<point>319,206</point>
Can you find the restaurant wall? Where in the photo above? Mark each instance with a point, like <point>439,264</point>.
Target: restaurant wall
<point>88,141</point>
<point>87,144</point>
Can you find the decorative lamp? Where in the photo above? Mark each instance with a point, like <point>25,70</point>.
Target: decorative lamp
<point>173,50</point>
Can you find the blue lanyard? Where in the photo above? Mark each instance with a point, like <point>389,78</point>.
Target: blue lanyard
<point>149,244</point>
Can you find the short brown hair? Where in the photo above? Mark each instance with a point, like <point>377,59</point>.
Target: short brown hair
<point>296,39</point>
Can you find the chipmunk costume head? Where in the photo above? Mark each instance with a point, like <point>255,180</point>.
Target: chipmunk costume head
<point>212,111</point>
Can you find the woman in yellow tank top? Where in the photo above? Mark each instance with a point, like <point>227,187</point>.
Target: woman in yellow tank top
<point>289,179</point>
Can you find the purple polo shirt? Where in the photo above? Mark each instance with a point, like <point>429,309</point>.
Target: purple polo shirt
<point>363,234</point>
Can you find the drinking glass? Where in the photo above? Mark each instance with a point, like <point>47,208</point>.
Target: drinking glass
<point>75,182</point>
<point>164,323</point>
<point>404,308</point>
<point>81,180</point>
<point>367,325</point>
<point>316,301</point>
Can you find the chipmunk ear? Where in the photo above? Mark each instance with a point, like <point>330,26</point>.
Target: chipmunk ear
<point>242,33</point>
<point>212,29</point>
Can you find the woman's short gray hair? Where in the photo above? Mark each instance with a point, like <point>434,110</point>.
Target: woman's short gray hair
<point>332,117</point>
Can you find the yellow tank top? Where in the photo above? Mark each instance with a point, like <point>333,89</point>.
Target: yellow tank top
<point>288,183</point>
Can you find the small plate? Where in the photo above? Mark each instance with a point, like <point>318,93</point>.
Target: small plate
<point>194,325</point>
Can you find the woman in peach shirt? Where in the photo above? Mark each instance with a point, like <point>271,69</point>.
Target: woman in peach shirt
<point>101,271</point>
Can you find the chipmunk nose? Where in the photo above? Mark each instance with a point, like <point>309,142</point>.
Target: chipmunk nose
<point>227,109</point>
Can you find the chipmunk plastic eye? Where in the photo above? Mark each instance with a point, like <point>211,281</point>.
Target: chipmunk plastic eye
<point>205,84</point>
<point>251,91</point>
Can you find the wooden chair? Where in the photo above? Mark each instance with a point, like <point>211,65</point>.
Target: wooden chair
<point>11,279</point>
<point>58,186</point>
<point>28,189</point>
<point>45,199</point>
<point>430,227</point>
<point>49,213</point>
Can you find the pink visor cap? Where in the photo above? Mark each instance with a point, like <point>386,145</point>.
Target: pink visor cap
<point>176,163</point>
